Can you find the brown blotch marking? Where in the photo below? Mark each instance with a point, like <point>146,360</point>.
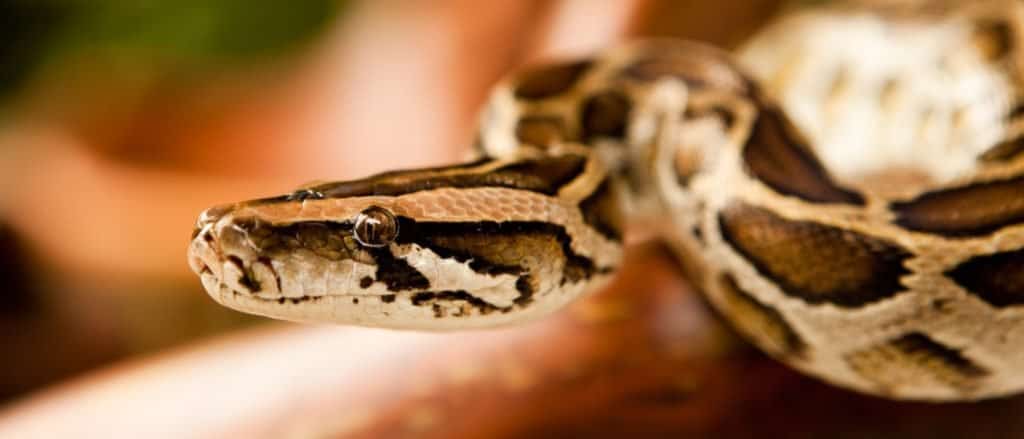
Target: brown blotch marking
<point>396,273</point>
<point>544,175</point>
<point>997,278</point>
<point>759,321</point>
<point>972,210</point>
<point>387,298</point>
<point>605,114</point>
<point>915,360</point>
<point>1004,151</point>
<point>368,185</point>
<point>814,262</point>
<point>993,38</point>
<point>549,80</point>
<point>485,254</point>
<point>365,282</point>
<point>781,159</point>
<point>501,247</point>
<point>325,239</point>
<point>540,130</point>
<point>603,211</point>
<point>1015,112</point>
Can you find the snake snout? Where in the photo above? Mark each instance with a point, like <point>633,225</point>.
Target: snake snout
<point>225,257</point>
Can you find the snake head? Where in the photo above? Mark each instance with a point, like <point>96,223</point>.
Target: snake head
<point>417,255</point>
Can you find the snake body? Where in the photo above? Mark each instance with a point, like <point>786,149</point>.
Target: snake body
<point>858,220</point>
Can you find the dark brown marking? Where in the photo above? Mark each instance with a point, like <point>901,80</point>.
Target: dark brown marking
<point>1016,112</point>
<point>540,130</point>
<point>329,240</point>
<point>781,159</point>
<point>761,322</point>
<point>814,262</point>
<point>270,266</point>
<point>469,247</point>
<point>499,247</point>
<point>993,38</point>
<point>972,210</point>
<point>545,175</point>
<point>396,273</point>
<point>298,300</point>
<point>603,211</point>
<point>524,285</point>
<point>604,114</point>
<point>365,186</point>
<point>387,298</point>
<point>915,360</point>
<point>549,80</point>
<point>247,279</point>
<point>1004,151</point>
<point>997,278</point>
<point>365,282</point>
<point>432,297</point>
<point>698,234</point>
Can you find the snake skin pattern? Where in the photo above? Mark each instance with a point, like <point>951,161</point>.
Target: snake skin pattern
<point>853,203</point>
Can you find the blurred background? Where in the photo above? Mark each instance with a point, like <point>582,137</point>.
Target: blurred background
<point>121,121</point>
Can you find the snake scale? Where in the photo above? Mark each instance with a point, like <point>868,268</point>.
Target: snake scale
<point>849,194</point>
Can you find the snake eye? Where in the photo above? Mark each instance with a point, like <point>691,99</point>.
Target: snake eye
<point>375,227</point>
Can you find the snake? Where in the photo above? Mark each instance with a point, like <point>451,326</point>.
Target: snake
<point>846,189</point>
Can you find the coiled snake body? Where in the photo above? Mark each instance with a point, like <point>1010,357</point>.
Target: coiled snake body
<point>867,231</point>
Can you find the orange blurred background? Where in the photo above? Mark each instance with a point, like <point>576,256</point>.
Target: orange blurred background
<point>122,121</point>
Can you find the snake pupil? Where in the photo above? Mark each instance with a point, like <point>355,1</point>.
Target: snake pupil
<point>375,227</point>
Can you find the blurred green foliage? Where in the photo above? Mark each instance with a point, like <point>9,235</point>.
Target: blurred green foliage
<point>191,33</point>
